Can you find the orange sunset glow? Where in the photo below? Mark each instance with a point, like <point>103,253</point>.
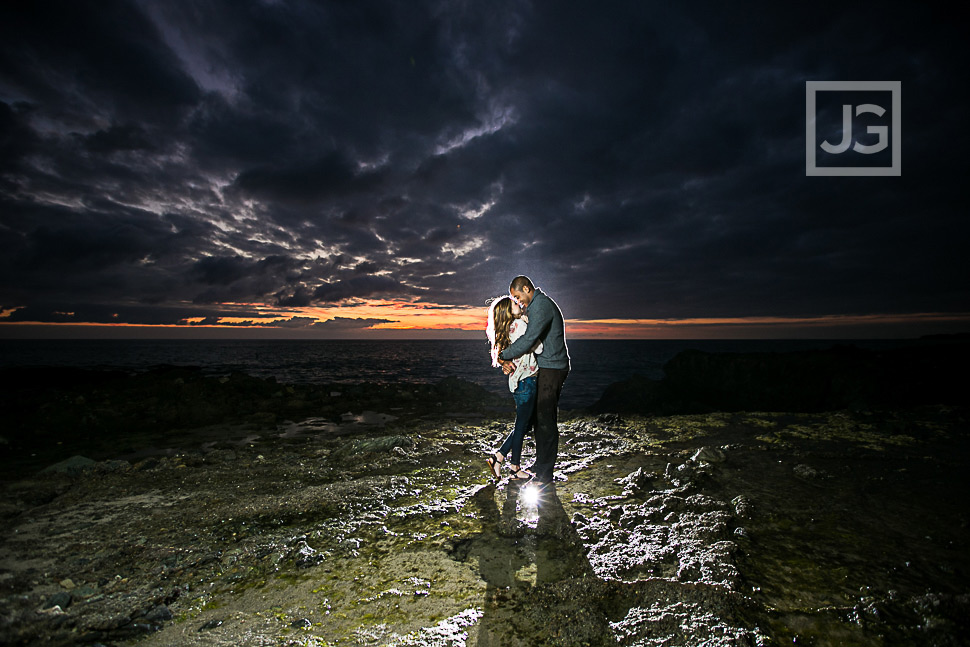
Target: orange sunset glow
<point>402,318</point>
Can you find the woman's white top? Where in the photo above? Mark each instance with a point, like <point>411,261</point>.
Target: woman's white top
<point>525,365</point>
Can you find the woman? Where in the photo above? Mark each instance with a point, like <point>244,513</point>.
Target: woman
<point>506,323</point>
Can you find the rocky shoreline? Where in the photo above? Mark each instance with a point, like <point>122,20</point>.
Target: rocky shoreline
<point>843,377</point>
<point>236,511</point>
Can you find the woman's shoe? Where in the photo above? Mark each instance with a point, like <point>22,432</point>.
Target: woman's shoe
<point>495,465</point>
<point>523,475</point>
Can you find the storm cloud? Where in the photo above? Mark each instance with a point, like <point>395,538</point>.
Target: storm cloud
<point>167,162</point>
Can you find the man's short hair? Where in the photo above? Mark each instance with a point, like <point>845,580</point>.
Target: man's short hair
<point>520,282</point>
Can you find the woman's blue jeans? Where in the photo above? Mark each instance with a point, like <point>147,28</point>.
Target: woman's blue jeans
<point>525,415</point>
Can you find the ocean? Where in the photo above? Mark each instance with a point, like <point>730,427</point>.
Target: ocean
<point>595,363</point>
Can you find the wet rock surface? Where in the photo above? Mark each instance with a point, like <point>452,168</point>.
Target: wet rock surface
<point>838,528</point>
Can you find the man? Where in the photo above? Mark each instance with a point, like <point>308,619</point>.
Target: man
<point>545,325</point>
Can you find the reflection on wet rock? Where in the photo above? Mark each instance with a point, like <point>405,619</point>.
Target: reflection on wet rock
<point>712,529</point>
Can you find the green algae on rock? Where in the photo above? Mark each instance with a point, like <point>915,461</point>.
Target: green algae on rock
<point>706,529</point>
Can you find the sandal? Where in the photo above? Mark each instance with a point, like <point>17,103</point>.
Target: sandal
<point>495,466</point>
<point>523,475</point>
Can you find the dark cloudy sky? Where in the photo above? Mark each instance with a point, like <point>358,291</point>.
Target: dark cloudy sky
<point>340,168</point>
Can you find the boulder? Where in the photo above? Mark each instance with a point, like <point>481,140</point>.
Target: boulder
<point>73,466</point>
<point>61,599</point>
<point>842,377</point>
<point>638,394</point>
<point>372,445</point>
<point>456,391</point>
<point>797,381</point>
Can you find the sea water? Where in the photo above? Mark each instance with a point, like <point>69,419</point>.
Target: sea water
<point>595,363</point>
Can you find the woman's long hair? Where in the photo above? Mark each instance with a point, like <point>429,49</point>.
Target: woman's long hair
<point>497,330</point>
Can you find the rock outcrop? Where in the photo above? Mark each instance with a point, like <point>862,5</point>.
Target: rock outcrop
<point>843,377</point>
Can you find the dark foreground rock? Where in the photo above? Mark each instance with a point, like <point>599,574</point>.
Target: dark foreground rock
<point>714,529</point>
<point>51,414</point>
<point>808,381</point>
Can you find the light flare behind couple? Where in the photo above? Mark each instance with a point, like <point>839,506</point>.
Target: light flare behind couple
<point>527,336</point>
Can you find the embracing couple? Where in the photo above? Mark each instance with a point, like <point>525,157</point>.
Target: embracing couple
<point>528,341</point>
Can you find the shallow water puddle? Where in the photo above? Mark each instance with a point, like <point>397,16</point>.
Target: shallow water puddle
<point>368,418</point>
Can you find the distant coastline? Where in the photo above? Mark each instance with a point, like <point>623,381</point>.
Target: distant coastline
<point>596,363</point>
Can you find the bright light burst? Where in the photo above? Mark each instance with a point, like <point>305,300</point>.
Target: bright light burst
<point>530,496</point>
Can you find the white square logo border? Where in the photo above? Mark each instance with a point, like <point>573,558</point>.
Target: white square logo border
<point>811,143</point>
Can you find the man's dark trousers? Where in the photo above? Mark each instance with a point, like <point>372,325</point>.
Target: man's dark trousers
<point>550,381</point>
